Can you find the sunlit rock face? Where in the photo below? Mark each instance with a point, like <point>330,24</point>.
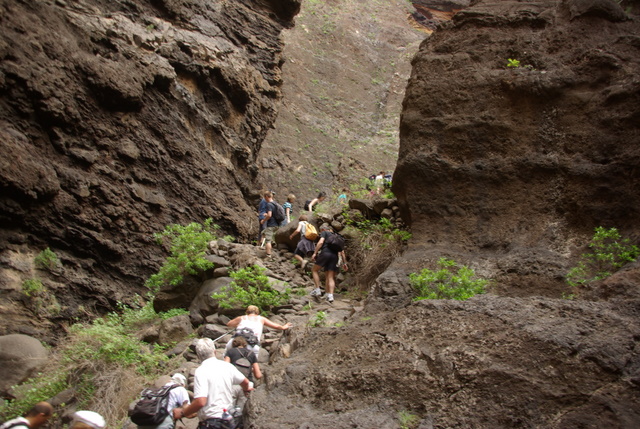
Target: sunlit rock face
<point>520,134</point>
<point>121,117</point>
<point>428,14</point>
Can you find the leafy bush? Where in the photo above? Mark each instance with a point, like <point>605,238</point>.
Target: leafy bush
<point>609,252</point>
<point>32,287</point>
<point>446,283</point>
<point>250,287</point>
<point>172,313</point>
<point>47,259</point>
<point>408,420</point>
<point>188,245</point>
<point>104,362</point>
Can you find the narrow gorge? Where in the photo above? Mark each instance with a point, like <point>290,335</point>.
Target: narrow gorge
<point>512,129</point>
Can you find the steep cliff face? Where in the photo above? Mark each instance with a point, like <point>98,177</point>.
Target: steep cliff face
<point>121,117</point>
<point>347,65</point>
<point>513,167</point>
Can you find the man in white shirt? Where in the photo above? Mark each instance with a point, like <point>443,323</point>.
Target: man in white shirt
<point>213,387</point>
<point>36,417</point>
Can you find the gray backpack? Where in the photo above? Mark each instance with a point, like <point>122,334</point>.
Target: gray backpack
<point>243,364</point>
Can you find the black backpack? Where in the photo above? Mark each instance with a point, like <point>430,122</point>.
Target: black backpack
<point>243,364</point>
<point>278,213</point>
<point>151,409</point>
<point>335,242</point>
<point>248,334</point>
<point>306,205</point>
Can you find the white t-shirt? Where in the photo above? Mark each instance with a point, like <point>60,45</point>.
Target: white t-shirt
<point>253,322</point>
<point>23,423</point>
<point>214,380</point>
<point>177,396</point>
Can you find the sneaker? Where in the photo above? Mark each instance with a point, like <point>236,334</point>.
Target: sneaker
<point>316,292</point>
<point>329,297</point>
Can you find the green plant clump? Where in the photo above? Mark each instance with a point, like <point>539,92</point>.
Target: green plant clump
<point>609,252</point>
<point>319,319</point>
<point>447,283</point>
<point>250,287</point>
<point>32,287</point>
<point>188,245</point>
<point>408,420</point>
<point>47,259</point>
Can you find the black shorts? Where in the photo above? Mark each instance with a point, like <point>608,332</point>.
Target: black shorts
<point>328,260</point>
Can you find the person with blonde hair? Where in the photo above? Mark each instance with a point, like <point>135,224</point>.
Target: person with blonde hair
<point>253,321</point>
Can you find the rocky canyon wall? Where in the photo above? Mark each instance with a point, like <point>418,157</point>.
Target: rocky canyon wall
<point>511,168</point>
<point>119,118</point>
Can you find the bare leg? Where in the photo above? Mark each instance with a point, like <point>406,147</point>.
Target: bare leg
<point>267,247</point>
<point>331,281</point>
<point>315,272</point>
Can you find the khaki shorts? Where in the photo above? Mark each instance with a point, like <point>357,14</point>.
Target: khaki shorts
<point>269,232</point>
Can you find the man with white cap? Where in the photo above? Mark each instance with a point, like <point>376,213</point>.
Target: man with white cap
<point>87,420</point>
<point>213,387</point>
<point>178,397</point>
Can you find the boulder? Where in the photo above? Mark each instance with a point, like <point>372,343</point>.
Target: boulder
<point>175,329</point>
<point>203,305</point>
<point>20,356</point>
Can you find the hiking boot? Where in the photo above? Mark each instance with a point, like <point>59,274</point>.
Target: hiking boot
<point>329,297</point>
<point>316,292</point>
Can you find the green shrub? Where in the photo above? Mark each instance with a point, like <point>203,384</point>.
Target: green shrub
<point>41,387</point>
<point>408,420</point>
<point>32,287</point>
<point>447,283</point>
<point>318,320</point>
<point>103,361</point>
<point>47,260</point>
<point>250,287</point>
<point>172,313</point>
<point>188,245</point>
<point>609,252</point>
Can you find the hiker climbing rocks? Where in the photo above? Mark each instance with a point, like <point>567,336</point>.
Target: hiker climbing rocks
<point>87,420</point>
<point>328,252</point>
<point>271,223</point>
<point>213,388</point>
<point>305,246</point>
<point>343,199</point>
<point>253,321</point>
<point>288,207</point>
<point>262,211</point>
<point>35,417</point>
<point>379,183</point>
<point>246,362</point>
<point>310,205</point>
<point>177,397</point>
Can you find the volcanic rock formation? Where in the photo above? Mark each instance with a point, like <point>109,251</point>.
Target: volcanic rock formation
<point>119,118</point>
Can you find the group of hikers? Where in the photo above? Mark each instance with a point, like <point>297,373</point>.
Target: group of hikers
<point>220,386</point>
<point>324,249</point>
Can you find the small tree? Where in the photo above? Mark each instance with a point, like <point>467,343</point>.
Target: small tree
<point>188,245</point>
<point>446,283</point>
<point>609,252</point>
<point>250,287</point>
